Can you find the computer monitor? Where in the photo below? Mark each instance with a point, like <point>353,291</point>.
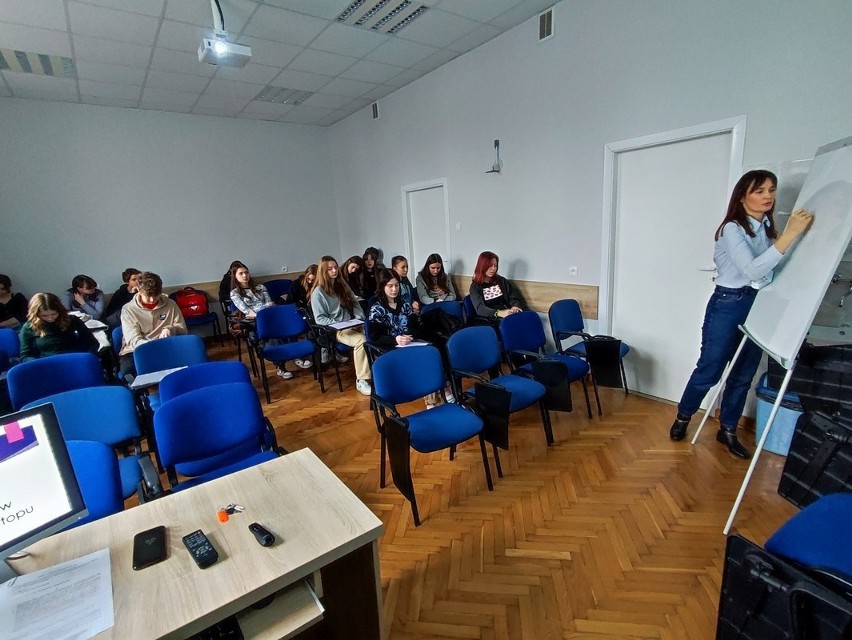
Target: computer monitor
<point>39,494</point>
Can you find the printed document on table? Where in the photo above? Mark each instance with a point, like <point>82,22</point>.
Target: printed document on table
<point>72,600</point>
<point>340,326</point>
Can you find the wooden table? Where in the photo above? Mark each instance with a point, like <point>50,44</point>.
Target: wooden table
<point>323,533</point>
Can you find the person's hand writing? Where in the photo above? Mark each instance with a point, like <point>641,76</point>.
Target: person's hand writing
<point>165,333</point>
<point>798,223</point>
<point>403,340</point>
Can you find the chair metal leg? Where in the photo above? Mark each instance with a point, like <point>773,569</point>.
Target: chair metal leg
<point>597,397</point>
<point>485,463</point>
<point>265,380</point>
<point>623,377</point>
<point>497,461</point>
<point>333,355</point>
<point>382,472</point>
<point>545,421</point>
<point>588,404</point>
<point>452,452</point>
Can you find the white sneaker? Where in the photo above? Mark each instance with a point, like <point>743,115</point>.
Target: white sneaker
<point>284,374</point>
<point>449,396</point>
<point>341,358</point>
<point>303,364</point>
<point>363,387</point>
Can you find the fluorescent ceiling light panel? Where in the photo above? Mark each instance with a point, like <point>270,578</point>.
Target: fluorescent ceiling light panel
<point>40,64</point>
<point>382,16</point>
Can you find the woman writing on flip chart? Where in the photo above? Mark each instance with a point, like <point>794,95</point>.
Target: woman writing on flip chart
<point>747,249</point>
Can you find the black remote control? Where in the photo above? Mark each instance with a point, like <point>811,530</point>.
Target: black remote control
<point>201,549</point>
<point>264,537</point>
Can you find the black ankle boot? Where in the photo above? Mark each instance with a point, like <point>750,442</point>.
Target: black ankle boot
<point>678,430</point>
<point>729,439</point>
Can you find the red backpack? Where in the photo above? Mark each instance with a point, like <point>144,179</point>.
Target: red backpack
<point>192,302</point>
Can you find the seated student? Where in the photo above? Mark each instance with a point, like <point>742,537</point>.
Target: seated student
<point>249,297</point>
<point>50,330</point>
<point>150,315</point>
<point>225,285</point>
<point>491,294</point>
<point>301,288</point>
<point>84,297</point>
<point>433,283</point>
<point>122,295</point>
<point>333,301</point>
<point>372,266</point>
<point>13,306</point>
<point>353,272</point>
<point>406,289</point>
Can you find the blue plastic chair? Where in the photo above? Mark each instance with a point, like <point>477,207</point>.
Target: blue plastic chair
<point>212,432</point>
<point>102,414</point>
<point>474,350</point>
<point>566,321</point>
<point>524,341</point>
<point>96,468</point>
<point>168,353</point>
<point>404,375</point>
<point>43,377</point>
<point>286,326</point>
<point>207,374</point>
<point>116,338</point>
<point>10,343</point>
<point>278,288</point>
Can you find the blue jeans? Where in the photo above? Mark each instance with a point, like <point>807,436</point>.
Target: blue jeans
<point>720,338</point>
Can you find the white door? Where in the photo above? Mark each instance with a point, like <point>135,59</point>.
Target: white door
<point>668,199</point>
<point>426,220</point>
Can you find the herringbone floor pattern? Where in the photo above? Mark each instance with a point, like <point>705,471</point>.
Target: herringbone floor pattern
<point>613,532</point>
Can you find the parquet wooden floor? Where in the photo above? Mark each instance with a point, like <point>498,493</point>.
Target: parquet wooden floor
<point>613,532</point>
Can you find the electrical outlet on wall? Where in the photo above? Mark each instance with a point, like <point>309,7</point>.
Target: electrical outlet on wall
<point>284,268</point>
<point>572,271</point>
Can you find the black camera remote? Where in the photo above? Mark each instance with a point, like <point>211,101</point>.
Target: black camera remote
<point>264,537</point>
<point>201,549</point>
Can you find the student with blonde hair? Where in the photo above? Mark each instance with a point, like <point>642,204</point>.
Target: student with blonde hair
<point>50,330</point>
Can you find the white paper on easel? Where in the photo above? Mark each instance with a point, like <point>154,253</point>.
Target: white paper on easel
<point>72,600</point>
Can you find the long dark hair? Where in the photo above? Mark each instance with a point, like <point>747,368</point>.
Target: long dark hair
<point>382,278</point>
<point>252,285</point>
<point>356,280</point>
<point>736,211</point>
<point>439,281</point>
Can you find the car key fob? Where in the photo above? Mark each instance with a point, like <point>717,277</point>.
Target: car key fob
<point>264,537</point>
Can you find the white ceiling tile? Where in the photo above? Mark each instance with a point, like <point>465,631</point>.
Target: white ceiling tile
<point>269,52</point>
<point>378,92</point>
<point>344,87</point>
<point>47,14</point>
<point>215,111</point>
<point>30,85</point>
<point>478,10</point>
<point>319,8</point>
<point>110,90</point>
<point>370,71</point>
<point>401,52</point>
<point>273,109</point>
<point>335,116</point>
<point>305,115</point>
<point>348,41</point>
<point>358,103</point>
<point>221,102</point>
<point>109,102</point>
<point>228,88</point>
<point>521,13</point>
<point>154,95</point>
<point>436,60</point>
<point>312,61</point>
<point>328,101</point>
<point>111,51</point>
<point>34,40</point>
<point>475,38</point>
<point>438,28</point>
<point>147,7</point>
<point>248,115</point>
<point>180,62</point>
<point>236,13</point>
<point>252,72</point>
<point>90,20</point>
<point>277,24</point>
<point>182,36</point>
<point>154,105</point>
<point>4,90</point>
<point>298,80</point>
<point>102,72</point>
<point>404,78</point>
<point>176,81</point>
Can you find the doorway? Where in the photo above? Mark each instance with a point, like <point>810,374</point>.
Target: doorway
<point>426,223</point>
<point>664,197</point>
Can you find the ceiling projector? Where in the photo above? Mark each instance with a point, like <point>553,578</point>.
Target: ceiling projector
<point>229,54</point>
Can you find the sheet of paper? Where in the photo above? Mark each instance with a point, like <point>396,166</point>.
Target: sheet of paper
<point>346,324</point>
<point>95,325</point>
<point>72,600</point>
<point>414,343</point>
<point>150,379</point>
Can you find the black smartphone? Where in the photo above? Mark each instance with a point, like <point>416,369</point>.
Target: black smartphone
<point>149,547</point>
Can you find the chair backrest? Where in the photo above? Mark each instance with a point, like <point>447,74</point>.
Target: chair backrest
<point>9,342</point>
<point>207,422</point>
<point>522,331</point>
<point>469,310</point>
<point>96,467</point>
<point>168,353</point>
<point>473,349</point>
<point>603,353</point>
<point>403,375</point>
<point>102,414</point>
<point>283,321</point>
<point>203,375</point>
<point>277,288</point>
<point>566,318</point>
<point>116,339</point>
<point>43,377</point>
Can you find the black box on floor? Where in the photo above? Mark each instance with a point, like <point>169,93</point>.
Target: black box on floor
<point>820,459</point>
<point>765,597</point>
<point>822,377</point>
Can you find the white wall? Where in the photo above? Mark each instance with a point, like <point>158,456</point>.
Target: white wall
<point>88,189</point>
<point>616,69</point>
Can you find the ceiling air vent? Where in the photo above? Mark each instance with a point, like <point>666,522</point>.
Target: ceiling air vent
<point>375,111</point>
<point>283,95</point>
<point>545,25</point>
<point>40,64</point>
<point>382,16</point>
